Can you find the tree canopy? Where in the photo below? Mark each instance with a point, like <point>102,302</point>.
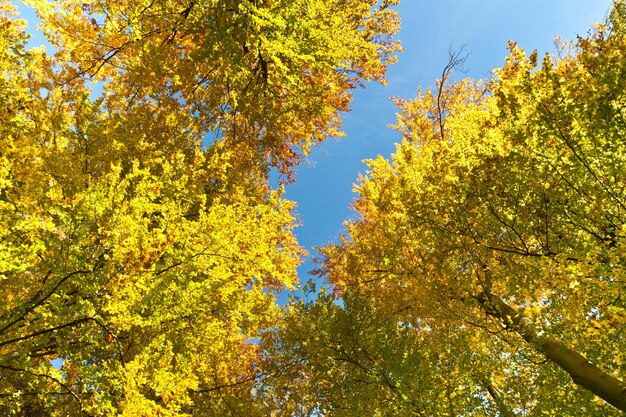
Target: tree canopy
<point>485,272</point>
<point>141,244</point>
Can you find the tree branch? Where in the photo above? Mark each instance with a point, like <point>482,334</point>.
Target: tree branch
<point>582,372</point>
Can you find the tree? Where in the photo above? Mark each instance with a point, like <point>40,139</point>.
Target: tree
<point>141,244</point>
<point>342,358</point>
<point>496,236</point>
<point>269,78</point>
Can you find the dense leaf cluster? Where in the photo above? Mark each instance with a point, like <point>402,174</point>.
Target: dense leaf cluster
<point>141,245</point>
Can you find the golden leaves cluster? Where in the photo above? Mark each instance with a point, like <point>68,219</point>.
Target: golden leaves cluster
<point>511,190</point>
<point>141,242</point>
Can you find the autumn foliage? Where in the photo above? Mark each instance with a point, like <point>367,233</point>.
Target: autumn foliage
<point>142,243</point>
<point>485,272</point>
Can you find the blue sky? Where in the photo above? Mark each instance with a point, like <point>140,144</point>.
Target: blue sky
<point>324,183</point>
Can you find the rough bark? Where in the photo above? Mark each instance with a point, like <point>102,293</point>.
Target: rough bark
<point>582,372</point>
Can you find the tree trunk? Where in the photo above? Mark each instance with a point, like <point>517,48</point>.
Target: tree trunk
<point>582,372</point>
<point>497,399</point>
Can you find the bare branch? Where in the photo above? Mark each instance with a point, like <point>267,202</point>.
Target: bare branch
<point>456,60</point>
